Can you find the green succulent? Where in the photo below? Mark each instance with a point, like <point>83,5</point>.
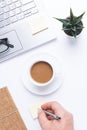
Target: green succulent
<point>72,25</point>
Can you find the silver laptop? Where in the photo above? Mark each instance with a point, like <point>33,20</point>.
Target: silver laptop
<point>23,26</point>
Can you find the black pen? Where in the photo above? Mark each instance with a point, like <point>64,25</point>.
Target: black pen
<point>52,115</point>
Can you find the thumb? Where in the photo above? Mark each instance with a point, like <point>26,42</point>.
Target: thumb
<point>42,119</point>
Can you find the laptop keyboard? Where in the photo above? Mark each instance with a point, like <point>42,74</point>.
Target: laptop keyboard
<point>12,11</point>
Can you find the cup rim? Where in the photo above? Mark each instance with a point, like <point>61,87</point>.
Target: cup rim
<point>38,83</point>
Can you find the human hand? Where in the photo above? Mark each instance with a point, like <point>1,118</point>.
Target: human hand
<point>48,123</point>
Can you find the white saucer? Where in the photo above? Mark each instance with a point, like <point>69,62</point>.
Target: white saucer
<point>47,89</point>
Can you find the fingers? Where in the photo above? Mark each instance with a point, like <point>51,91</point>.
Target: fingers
<point>42,119</point>
<point>47,123</point>
<point>54,106</point>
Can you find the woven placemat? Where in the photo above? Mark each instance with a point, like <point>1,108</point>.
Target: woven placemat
<point>10,118</point>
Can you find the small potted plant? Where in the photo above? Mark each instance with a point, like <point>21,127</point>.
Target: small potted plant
<point>72,25</point>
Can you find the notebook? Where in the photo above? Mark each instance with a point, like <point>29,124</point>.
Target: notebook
<point>10,118</point>
<point>25,25</point>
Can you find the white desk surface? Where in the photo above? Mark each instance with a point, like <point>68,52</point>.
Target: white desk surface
<point>73,55</point>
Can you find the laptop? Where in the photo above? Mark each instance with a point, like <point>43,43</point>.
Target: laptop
<point>25,26</point>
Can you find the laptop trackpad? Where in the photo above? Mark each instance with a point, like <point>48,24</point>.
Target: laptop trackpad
<point>14,40</point>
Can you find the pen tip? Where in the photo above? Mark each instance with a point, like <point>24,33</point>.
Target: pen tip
<point>59,118</point>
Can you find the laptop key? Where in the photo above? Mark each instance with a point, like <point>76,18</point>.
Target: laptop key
<point>27,13</point>
<point>1,17</point>
<point>12,13</point>
<point>28,6</point>
<point>26,1</point>
<point>7,22</point>
<point>34,11</point>
<point>20,16</point>
<point>1,25</point>
<point>12,6</point>
<point>1,11</point>
<point>6,15</point>
<point>18,10</point>
<point>6,9</point>
<point>8,1</point>
<point>2,3</point>
<point>13,19</point>
<point>17,4</point>
<point>14,0</point>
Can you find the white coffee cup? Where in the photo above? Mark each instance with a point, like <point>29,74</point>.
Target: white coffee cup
<point>41,73</point>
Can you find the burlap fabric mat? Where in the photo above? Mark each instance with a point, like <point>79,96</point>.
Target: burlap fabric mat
<point>10,118</point>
